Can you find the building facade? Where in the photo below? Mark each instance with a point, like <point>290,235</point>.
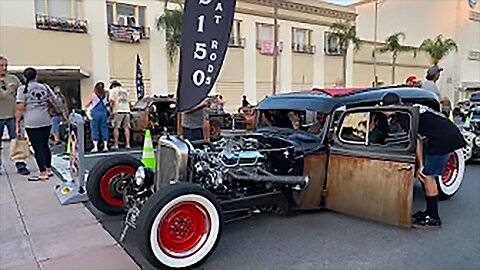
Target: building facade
<point>421,19</point>
<point>75,43</point>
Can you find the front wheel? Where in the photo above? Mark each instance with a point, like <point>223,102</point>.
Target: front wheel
<point>179,226</point>
<point>452,176</point>
<point>107,180</point>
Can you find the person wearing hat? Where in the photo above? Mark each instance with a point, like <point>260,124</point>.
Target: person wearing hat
<point>411,80</point>
<point>438,139</point>
<point>120,105</point>
<point>433,74</point>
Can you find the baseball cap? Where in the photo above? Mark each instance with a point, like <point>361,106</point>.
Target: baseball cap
<point>411,79</point>
<point>434,71</point>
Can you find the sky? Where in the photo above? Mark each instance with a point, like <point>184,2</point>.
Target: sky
<point>342,2</point>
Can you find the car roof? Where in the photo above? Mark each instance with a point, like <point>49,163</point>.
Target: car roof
<point>327,100</point>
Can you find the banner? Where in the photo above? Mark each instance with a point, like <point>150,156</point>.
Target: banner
<point>206,27</point>
<point>139,79</point>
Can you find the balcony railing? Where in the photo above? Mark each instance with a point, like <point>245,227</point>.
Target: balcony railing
<point>61,24</point>
<point>304,48</point>
<point>236,42</point>
<point>129,34</point>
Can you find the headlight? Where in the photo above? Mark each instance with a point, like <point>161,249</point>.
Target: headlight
<point>477,141</point>
<point>140,176</point>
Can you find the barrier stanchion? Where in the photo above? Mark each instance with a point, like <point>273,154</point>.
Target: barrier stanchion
<point>74,191</point>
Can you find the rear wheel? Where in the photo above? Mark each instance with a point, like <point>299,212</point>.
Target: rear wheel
<point>452,176</point>
<point>108,179</point>
<point>179,226</point>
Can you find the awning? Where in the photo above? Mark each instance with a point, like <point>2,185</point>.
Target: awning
<point>54,72</point>
<point>470,84</point>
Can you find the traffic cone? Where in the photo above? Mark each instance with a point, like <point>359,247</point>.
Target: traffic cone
<point>467,122</point>
<point>69,146</point>
<point>148,154</point>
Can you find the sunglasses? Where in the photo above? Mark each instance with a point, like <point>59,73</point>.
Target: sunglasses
<point>4,87</point>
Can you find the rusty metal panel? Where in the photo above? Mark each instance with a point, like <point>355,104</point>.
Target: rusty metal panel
<point>371,188</point>
<point>315,166</point>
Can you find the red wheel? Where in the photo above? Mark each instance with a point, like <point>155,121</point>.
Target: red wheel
<point>184,229</point>
<point>179,226</point>
<point>113,183</point>
<point>107,181</point>
<point>452,176</point>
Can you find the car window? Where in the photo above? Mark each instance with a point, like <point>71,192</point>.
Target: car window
<point>377,128</point>
<point>308,121</point>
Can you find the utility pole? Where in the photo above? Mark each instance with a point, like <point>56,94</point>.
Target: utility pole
<point>275,45</point>
<point>375,78</point>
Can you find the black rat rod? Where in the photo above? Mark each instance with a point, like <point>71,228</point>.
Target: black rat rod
<point>310,150</point>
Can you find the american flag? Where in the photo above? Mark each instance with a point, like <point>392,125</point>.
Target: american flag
<point>139,79</point>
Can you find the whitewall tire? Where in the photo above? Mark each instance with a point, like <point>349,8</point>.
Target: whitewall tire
<point>451,179</point>
<point>179,226</point>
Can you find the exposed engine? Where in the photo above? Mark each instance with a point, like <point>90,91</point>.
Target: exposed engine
<point>238,160</point>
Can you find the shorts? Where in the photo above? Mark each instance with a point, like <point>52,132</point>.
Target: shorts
<point>434,164</point>
<point>121,120</point>
<point>55,124</point>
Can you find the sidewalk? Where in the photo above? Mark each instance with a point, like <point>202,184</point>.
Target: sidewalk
<point>36,232</point>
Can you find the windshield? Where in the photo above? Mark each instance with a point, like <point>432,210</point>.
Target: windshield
<point>306,121</point>
<point>476,115</point>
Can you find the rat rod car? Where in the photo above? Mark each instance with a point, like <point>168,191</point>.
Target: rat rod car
<point>347,153</point>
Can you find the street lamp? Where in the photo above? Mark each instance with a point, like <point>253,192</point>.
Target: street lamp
<point>377,4</point>
<point>275,45</point>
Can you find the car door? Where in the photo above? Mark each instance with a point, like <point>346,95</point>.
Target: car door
<point>371,164</point>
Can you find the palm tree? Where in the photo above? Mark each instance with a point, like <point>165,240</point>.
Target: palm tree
<point>345,34</point>
<point>171,22</point>
<point>438,48</point>
<point>394,46</point>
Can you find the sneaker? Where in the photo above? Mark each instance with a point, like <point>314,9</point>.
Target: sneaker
<point>420,214</point>
<point>23,171</point>
<point>427,222</point>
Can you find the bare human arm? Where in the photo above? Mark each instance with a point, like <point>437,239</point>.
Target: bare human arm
<point>18,115</point>
<point>419,154</point>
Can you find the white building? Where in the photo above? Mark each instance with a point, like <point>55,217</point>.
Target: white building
<point>421,19</point>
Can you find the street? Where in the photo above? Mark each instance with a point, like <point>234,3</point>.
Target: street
<point>327,240</point>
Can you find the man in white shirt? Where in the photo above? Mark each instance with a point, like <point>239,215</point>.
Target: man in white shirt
<point>120,105</point>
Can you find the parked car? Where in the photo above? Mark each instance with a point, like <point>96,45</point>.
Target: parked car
<point>310,150</point>
<point>473,126</point>
<point>158,113</point>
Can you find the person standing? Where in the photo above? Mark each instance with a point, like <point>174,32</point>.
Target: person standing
<point>193,121</point>
<point>120,105</point>
<point>60,100</point>
<point>411,80</point>
<point>245,102</point>
<point>438,139</point>
<point>33,101</point>
<point>98,106</point>
<point>9,84</point>
<point>433,74</point>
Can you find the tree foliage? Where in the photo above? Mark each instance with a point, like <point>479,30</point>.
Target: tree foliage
<point>171,22</point>
<point>438,47</point>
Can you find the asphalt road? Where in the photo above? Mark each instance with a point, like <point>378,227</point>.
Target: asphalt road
<point>327,240</point>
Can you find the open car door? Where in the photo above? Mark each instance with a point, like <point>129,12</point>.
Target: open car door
<point>371,165</point>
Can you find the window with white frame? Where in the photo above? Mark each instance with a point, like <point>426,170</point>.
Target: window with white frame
<point>125,14</point>
<point>264,31</point>
<point>236,39</point>
<point>332,45</point>
<point>302,40</point>
<point>60,8</point>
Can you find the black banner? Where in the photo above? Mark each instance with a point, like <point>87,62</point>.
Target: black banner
<point>139,79</point>
<point>206,27</point>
